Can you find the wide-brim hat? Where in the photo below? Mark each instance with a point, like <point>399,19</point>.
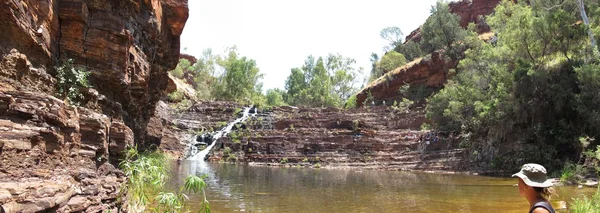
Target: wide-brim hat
<point>534,175</point>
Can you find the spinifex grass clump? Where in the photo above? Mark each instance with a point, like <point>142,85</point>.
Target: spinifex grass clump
<point>586,205</point>
<point>146,175</point>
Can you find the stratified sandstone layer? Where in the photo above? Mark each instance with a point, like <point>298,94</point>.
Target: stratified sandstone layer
<point>55,156</point>
<point>127,45</point>
<point>366,138</point>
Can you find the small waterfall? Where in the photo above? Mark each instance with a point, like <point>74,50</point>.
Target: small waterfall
<point>213,137</point>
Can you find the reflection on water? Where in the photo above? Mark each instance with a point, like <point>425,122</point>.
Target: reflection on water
<point>242,188</point>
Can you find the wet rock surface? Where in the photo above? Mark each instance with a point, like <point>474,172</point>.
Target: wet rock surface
<point>171,129</point>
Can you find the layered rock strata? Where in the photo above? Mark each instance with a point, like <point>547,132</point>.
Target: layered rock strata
<point>127,45</point>
<point>367,138</point>
<point>54,157</point>
<point>173,126</point>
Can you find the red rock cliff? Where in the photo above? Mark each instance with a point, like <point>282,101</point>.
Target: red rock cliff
<point>127,45</point>
<point>54,157</point>
<point>429,71</point>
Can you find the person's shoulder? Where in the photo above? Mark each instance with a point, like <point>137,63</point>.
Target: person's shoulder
<point>540,210</point>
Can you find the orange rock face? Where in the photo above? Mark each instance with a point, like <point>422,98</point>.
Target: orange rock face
<point>54,156</point>
<point>127,45</point>
<point>424,71</point>
<point>45,142</point>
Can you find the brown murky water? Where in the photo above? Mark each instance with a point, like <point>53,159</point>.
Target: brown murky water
<point>242,188</point>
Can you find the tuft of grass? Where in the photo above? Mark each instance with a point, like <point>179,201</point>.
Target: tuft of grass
<point>586,205</point>
<point>146,174</point>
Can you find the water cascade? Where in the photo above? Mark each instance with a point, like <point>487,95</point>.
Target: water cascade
<point>210,139</point>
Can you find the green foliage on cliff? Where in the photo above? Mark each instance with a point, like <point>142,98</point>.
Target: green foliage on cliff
<point>536,86</point>
<point>442,31</point>
<point>390,61</point>
<point>70,80</point>
<point>175,96</point>
<point>322,82</point>
<point>411,50</point>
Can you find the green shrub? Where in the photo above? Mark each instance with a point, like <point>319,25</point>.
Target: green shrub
<point>351,102</point>
<point>178,72</point>
<point>283,160</point>
<point>175,202</point>
<point>221,124</point>
<point>237,111</point>
<point>70,80</point>
<point>235,137</point>
<point>226,151</point>
<point>572,173</point>
<point>175,96</point>
<point>231,157</point>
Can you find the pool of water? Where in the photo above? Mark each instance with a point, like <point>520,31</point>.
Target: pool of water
<point>243,188</point>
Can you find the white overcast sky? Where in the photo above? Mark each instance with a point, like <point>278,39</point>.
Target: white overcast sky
<point>280,34</point>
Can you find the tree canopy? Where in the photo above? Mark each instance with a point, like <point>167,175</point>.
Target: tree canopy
<point>532,87</point>
<point>322,82</point>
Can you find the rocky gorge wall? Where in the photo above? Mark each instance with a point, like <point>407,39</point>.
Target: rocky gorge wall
<point>127,45</point>
<point>55,157</point>
<point>366,138</point>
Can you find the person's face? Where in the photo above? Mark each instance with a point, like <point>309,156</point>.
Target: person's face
<point>523,188</point>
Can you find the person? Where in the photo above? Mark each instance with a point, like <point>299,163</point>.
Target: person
<point>535,186</point>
